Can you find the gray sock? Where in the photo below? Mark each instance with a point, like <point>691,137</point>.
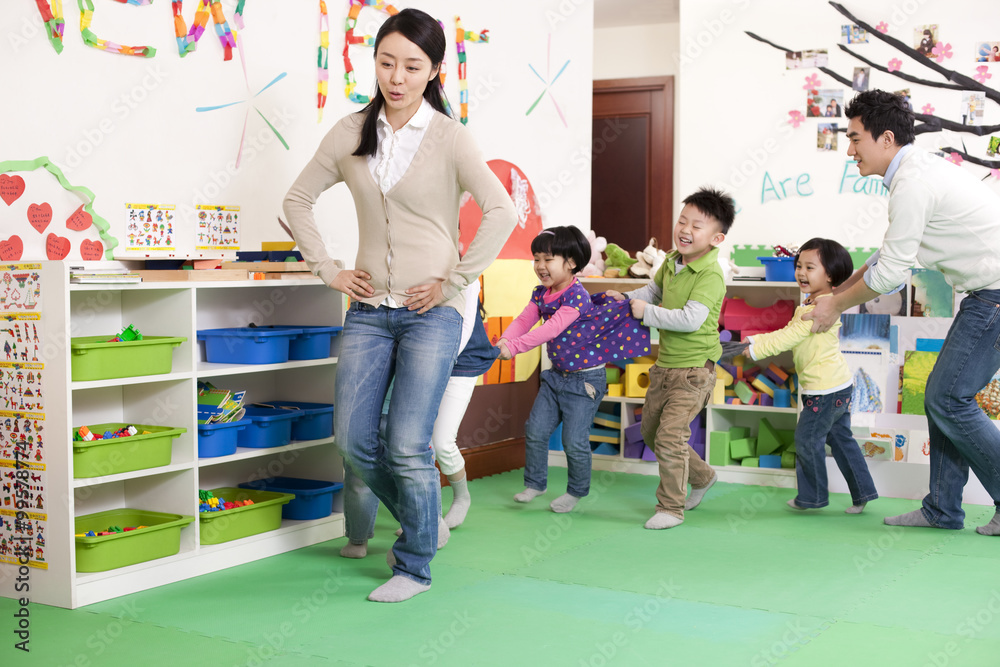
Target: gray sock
<point>527,495</point>
<point>564,503</point>
<point>993,527</point>
<point>910,519</point>
<point>855,509</point>
<point>443,533</point>
<point>460,505</point>
<point>697,494</point>
<point>397,589</point>
<point>355,550</point>
<point>662,520</point>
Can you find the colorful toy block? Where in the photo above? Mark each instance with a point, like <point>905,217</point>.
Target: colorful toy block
<point>617,389</point>
<point>740,316</point>
<point>699,449</point>
<point>782,398</point>
<point>764,383</point>
<point>729,368</point>
<point>751,462</point>
<point>637,380</point>
<point>637,413</point>
<point>725,336</point>
<point>598,434</point>
<point>787,460</point>
<point>614,374</point>
<point>768,440</point>
<point>555,440</point>
<point>607,419</point>
<point>737,432</point>
<point>722,373</point>
<point>648,455</point>
<point>719,392</point>
<point>766,400</point>
<point>744,392</point>
<point>776,373</point>
<point>770,461</point>
<point>605,449</point>
<point>743,448</point>
<point>718,448</point>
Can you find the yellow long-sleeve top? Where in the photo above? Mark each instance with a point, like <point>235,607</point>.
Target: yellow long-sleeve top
<point>818,361</point>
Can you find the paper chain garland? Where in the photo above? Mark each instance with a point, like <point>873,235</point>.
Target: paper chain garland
<point>103,228</point>
<point>350,81</point>
<point>463,85</point>
<point>323,61</point>
<point>90,39</point>
<point>55,25</point>
<point>187,40</point>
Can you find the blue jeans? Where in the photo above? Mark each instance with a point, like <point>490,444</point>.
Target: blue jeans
<point>826,418</point>
<point>961,435</point>
<point>419,351</point>
<point>573,399</point>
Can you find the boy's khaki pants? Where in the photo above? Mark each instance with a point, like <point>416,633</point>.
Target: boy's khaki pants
<point>673,398</point>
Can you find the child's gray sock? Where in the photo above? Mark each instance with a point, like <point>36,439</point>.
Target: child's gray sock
<point>355,550</point>
<point>662,520</point>
<point>460,504</point>
<point>443,533</point>
<point>855,509</point>
<point>993,527</point>
<point>915,519</point>
<point>397,589</point>
<point>527,495</point>
<point>697,494</point>
<point>564,503</point>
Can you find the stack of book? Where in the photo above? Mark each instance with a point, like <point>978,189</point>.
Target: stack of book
<point>81,275</point>
<point>216,406</point>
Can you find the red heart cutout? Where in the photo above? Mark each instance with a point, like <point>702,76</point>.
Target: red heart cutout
<point>80,220</point>
<point>56,247</point>
<point>11,188</point>
<point>11,249</point>
<point>40,215</point>
<point>91,250</point>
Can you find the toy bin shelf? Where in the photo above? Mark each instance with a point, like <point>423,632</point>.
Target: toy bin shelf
<point>170,484</point>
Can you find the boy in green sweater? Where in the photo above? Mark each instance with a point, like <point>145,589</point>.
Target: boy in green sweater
<point>683,301</point>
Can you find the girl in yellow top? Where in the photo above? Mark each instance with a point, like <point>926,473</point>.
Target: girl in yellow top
<point>824,379</point>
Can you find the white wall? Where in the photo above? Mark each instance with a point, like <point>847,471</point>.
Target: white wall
<point>735,94</point>
<point>636,51</point>
<point>126,127</point>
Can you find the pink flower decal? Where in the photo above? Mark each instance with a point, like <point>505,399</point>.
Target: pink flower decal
<point>882,27</point>
<point>928,109</point>
<point>941,51</point>
<point>995,173</point>
<point>796,118</point>
<point>982,73</point>
<point>895,64</point>
<point>954,158</point>
<point>812,81</point>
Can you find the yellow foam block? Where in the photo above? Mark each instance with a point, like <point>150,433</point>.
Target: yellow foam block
<point>637,380</point>
<point>617,389</point>
<point>763,386</point>
<point>719,393</point>
<point>724,375</point>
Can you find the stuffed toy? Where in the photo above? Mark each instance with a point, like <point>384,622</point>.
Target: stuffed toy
<point>597,245</point>
<point>618,262</point>
<point>648,261</point>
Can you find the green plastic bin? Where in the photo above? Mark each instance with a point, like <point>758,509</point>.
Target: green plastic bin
<point>262,516</point>
<point>160,538</point>
<point>94,358</point>
<point>95,458</point>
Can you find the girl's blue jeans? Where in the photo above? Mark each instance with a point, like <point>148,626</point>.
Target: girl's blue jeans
<point>419,350</point>
<point>826,419</point>
<point>961,435</point>
<point>573,399</point>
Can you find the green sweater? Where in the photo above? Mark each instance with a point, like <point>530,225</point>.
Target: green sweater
<point>416,220</point>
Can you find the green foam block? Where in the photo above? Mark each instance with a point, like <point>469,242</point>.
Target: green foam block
<point>787,460</point>
<point>743,448</point>
<point>718,448</point>
<point>768,440</point>
<point>614,374</point>
<point>787,440</point>
<point>737,432</point>
<point>750,462</point>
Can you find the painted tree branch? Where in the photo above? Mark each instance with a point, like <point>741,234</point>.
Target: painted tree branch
<point>901,75</point>
<point>844,80</point>
<point>964,82</point>
<point>991,164</point>
<point>936,124</point>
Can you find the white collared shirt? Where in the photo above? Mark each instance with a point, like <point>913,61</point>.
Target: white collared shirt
<point>395,153</point>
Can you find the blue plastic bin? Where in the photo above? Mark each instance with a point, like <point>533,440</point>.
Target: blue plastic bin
<point>268,428</point>
<point>313,342</point>
<point>313,420</point>
<point>247,345</point>
<point>778,269</point>
<point>313,498</point>
<point>219,439</point>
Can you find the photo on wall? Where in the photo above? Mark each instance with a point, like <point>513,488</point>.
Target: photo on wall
<point>988,52</point>
<point>973,106</point>
<point>994,146</point>
<point>925,38</point>
<point>917,368</point>
<point>932,296</point>
<point>864,332</point>
<point>887,304</point>
<point>853,34</point>
<point>859,82</point>
<point>810,58</point>
<point>825,103</point>
<point>870,372</point>
<point>905,94</point>
<point>826,137</point>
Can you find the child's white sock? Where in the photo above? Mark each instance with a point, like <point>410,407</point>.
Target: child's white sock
<point>697,494</point>
<point>914,519</point>
<point>993,527</point>
<point>397,589</point>
<point>564,503</point>
<point>460,504</point>
<point>527,495</point>
<point>662,520</point>
<point>355,550</point>
<point>855,509</point>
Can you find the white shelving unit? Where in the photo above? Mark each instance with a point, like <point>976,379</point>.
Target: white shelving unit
<point>172,309</point>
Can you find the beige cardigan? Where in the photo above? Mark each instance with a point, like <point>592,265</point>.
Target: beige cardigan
<point>417,219</point>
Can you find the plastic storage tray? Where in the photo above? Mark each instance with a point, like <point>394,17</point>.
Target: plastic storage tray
<point>778,269</point>
<point>312,343</point>
<point>94,358</point>
<point>247,345</point>
<point>269,427</point>
<point>313,498</point>
<point>219,439</point>
<point>262,516</point>
<point>313,420</point>
<point>160,538</point>
<point>95,458</point>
